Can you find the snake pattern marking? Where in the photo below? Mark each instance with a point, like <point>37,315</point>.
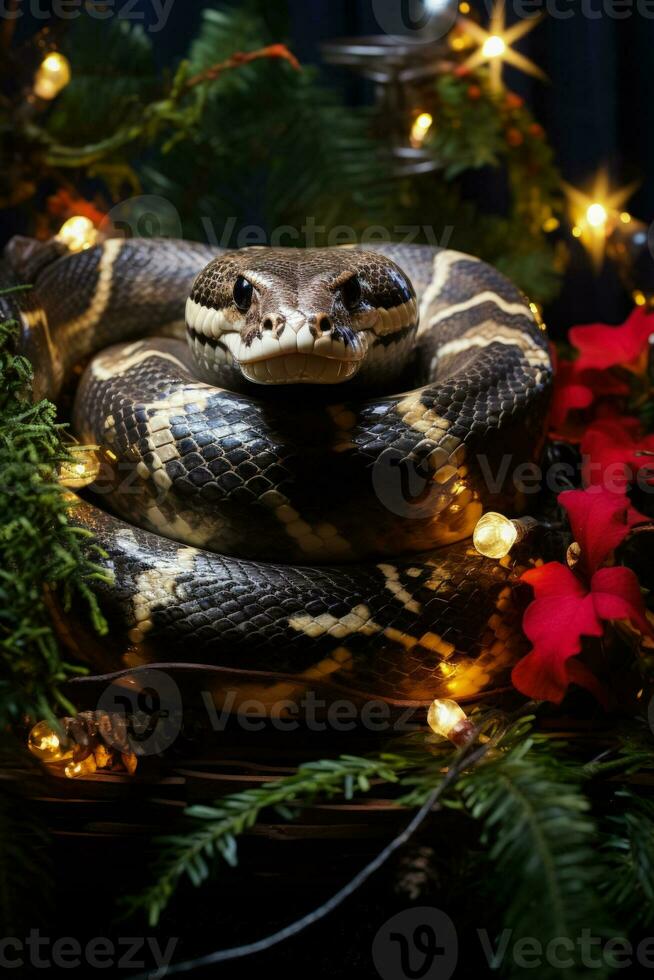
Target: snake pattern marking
<point>297,445</point>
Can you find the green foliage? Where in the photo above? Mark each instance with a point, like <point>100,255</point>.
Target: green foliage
<point>274,147</point>
<point>217,827</point>
<point>108,92</point>
<point>41,552</point>
<point>267,154</point>
<point>628,886</point>
<point>541,841</point>
<point>539,866</point>
<point>491,130</point>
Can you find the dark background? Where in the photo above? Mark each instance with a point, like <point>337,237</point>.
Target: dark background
<point>598,109</point>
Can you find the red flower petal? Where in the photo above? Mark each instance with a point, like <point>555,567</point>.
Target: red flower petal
<point>600,521</point>
<point>617,595</point>
<point>576,389</point>
<point>569,393</point>
<point>610,451</point>
<point>555,622</point>
<point>564,611</point>
<point>603,346</point>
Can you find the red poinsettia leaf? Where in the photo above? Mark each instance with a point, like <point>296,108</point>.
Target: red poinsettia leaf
<point>577,389</point>
<point>612,454</point>
<point>603,346</point>
<point>561,613</point>
<point>564,611</point>
<point>616,595</point>
<point>569,394</point>
<point>553,579</point>
<point>555,626</point>
<point>600,521</point>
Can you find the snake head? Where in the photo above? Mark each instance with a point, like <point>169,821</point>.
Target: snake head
<point>302,316</point>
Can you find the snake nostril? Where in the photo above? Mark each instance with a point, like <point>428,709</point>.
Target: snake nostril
<point>324,323</point>
<point>268,323</point>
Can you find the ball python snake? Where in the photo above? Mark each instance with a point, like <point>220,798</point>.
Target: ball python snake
<point>288,491</point>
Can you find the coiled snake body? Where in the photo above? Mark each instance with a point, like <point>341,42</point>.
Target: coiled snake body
<point>287,491</point>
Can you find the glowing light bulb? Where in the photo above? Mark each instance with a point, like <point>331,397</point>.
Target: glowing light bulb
<point>84,768</point>
<point>81,471</point>
<point>77,233</point>
<point>52,75</point>
<point>448,719</point>
<point>596,215</point>
<point>625,217</point>
<point>493,47</point>
<point>47,745</point>
<point>420,128</point>
<point>464,8</point>
<point>494,535</point>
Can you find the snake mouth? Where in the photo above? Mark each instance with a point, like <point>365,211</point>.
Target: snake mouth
<point>290,356</point>
<point>300,369</point>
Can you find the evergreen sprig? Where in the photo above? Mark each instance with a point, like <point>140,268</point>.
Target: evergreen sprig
<point>41,552</point>
<point>529,797</point>
<point>628,887</point>
<point>214,837</point>
<point>541,843</point>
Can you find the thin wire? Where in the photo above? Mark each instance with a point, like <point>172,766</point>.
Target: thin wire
<point>237,952</point>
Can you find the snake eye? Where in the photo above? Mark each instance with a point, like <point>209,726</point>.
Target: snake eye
<point>243,292</point>
<point>351,293</point>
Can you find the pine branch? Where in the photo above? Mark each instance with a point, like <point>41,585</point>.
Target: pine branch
<point>542,847</point>
<point>40,551</point>
<point>192,854</point>
<point>628,886</point>
<point>170,112</point>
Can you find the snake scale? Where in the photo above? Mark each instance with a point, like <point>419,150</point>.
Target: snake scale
<point>297,445</point>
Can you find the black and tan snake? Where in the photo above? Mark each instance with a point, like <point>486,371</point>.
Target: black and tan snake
<point>289,490</point>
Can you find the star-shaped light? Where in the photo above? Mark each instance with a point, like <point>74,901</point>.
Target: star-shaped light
<point>494,45</point>
<point>594,213</point>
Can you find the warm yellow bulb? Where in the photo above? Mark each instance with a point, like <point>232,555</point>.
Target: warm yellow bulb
<point>421,126</point>
<point>81,471</point>
<point>596,215</point>
<point>464,7</point>
<point>625,217</point>
<point>448,719</point>
<point>639,297</point>
<point>550,224</point>
<point>495,535</point>
<point>52,75</point>
<point>46,744</point>
<point>494,47</point>
<point>77,233</point>
<point>576,231</point>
